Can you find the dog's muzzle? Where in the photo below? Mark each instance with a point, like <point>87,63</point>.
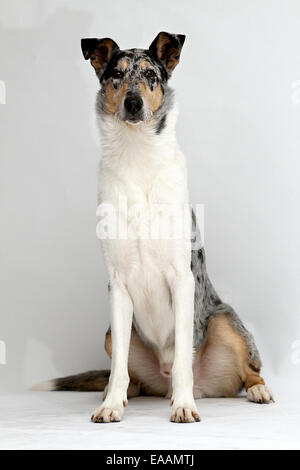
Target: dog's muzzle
<point>133,105</point>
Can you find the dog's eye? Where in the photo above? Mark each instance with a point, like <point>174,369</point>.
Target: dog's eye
<point>117,74</point>
<point>149,73</point>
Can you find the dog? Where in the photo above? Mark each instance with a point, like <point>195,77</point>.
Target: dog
<point>170,334</point>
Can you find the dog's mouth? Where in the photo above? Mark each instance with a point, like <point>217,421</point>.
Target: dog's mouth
<point>134,120</point>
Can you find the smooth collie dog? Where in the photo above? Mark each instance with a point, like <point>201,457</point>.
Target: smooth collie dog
<point>170,334</point>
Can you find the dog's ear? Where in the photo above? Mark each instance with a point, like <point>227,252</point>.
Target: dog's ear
<point>99,51</point>
<point>166,48</point>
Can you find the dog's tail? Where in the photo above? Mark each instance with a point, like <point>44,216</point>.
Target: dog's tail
<point>92,381</point>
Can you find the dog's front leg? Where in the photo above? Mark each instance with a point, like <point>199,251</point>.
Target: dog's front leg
<point>183,405</point>
<point>121,311</point>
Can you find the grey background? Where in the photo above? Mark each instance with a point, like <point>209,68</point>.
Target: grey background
<point>238,126</point>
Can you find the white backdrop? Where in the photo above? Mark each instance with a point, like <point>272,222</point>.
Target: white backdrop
<point>238,86</point>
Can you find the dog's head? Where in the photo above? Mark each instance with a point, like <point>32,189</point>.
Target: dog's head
<point>133,81</point>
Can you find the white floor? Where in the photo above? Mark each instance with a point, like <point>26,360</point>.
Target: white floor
<point>60,420</point>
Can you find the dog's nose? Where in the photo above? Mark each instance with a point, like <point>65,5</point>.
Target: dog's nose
<point>133,104</point>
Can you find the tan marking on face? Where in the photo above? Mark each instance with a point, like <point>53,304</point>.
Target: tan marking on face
<point>152,98</point>
<point>114,97</point>
<point>123,64</point>
<point>144,64</point>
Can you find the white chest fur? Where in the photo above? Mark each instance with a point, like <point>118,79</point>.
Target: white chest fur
<point>139,171</point>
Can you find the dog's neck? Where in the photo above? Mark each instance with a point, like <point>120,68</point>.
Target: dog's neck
<point>137,145</point>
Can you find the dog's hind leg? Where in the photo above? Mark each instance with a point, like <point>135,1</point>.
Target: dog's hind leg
<point>228,361</point>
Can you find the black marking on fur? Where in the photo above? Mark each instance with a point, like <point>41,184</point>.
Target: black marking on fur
<point>161,124</point>
<point>200,255</point>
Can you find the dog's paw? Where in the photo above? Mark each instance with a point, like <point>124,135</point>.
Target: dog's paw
<point>260,394</point>
<point>108,414</point>
<point>186,413</point>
